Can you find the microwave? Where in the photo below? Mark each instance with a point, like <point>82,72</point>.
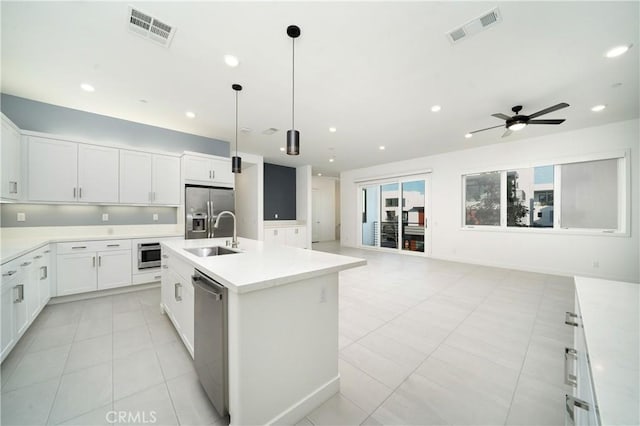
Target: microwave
<point>148,255</point>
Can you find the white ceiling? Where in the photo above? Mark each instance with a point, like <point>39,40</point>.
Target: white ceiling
<point>371,69</point>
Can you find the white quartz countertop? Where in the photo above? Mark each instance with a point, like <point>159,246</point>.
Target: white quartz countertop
<point>21,241</point>
<point>261,265</point>
<point>611,319</point>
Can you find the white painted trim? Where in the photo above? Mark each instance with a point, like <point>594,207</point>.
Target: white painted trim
<point>99,293</point>
<point>393,176</point>
<point>301,408</point>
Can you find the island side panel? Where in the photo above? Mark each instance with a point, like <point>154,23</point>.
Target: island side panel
<point>283,350</point>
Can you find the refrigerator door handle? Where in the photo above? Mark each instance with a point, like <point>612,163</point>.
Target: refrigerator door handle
<point>208,220</point>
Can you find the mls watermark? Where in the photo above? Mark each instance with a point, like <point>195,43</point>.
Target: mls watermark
<point>127,417</point>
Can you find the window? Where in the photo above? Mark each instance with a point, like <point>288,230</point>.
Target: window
<point>482,199</point>
<point>530,197</point>
<point>590,195</point>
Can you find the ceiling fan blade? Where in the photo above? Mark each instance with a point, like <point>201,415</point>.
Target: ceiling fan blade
<point>507,133</point>
<point>552,121</point>
<point>548,110</point>
<point>488,128</point>
<point>501,116</point>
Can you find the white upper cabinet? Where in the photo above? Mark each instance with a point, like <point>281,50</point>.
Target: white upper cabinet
<point>149,178</point>
<point>11,160</point>
<point>135,177</point>
<point>166,179</point>
<point>97,174</point>
<point>208,170</point>
<point>53,170</point>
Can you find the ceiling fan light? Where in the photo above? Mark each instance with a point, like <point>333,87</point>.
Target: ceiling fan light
<point>468,135</point>
<point>517,126</point>
<point>617,51</point>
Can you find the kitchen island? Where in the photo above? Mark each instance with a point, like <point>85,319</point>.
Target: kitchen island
<point>282,323</point>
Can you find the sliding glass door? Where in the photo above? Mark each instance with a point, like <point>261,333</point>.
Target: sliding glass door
<point>394,214</point>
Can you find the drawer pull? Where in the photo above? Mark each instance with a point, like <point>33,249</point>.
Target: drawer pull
<point>37,257</point>
<point>569,319</point>
<point>571,402</point>
<point>9,273</point>
<point>78,247</point>
<point>570,379</point>
<point>47,251</point>
<point>164,256</point>
<point>157,277</point>
<point>113,245</point>
<point>25,264</point>
<point>20,297</point>
<point>165,266</point>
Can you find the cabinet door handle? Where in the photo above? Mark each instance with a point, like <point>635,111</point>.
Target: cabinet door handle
<point>569,319</point>
<point>80,192</point>
<point>570,379</point>
<point>25,264</point>
<point>213,174</point>
<point>94,261</point>
<point>43,273</point>
<point>209,174</point>
<point>20,297</point>
<point>296,230</point>
<point>74,193</point>
<point>78,247</point>
<point>571,402</point>
<point>176,292</point>
<point>8,273</point>
<point>99,260</point>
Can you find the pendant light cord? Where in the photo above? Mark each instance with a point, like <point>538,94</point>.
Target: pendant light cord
<point>293,85</point>
<point>236,123</point>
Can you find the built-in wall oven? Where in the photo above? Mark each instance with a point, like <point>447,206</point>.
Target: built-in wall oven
<point>148,255</point>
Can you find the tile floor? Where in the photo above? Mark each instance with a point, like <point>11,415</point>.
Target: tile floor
<point>422,342</point>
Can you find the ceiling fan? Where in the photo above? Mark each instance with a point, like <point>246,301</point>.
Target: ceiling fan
<point>520,121</point>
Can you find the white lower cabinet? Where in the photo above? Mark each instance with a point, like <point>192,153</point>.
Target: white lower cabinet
<point>23,295</point>
<point>178,297</point>
<point>293,236</point>
<point>93,265</point>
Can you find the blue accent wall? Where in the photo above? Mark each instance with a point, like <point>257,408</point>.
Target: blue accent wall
<point>279,192</point>
<point>47,118</point>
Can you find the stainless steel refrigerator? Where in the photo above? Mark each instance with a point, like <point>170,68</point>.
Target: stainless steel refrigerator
<point>201,206</point>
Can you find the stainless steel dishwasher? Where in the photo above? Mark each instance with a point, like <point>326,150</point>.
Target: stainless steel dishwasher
<point>210,340</point>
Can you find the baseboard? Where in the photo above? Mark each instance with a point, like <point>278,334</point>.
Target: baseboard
<point>100,293</point>
<point>307,404</point>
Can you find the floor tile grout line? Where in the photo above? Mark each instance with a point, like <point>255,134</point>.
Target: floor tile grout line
<point>524,360</point>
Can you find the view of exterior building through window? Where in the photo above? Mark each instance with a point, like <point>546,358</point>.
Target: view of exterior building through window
<point>530,197</point>
<point>482,199</point>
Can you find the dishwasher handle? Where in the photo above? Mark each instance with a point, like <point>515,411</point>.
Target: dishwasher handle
<point>207,287</point>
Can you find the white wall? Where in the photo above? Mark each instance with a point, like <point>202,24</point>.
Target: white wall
<point>249,196</point>
<point>323,216</point>
<point>303,199</point>
<point>617,256</point>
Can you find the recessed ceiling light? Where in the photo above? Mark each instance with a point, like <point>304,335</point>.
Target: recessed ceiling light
<point>319,174</point>
<point>231,60</point>
<point>282,148</point>
<point>332,129</point>
<point>436,108</point>
<point>190,114</point>
<point>331,160</point>
<point>598,108</point>
<point>468,135</point>
<point>87,87</point>
<point>381,147</point>
<point>617,51</point>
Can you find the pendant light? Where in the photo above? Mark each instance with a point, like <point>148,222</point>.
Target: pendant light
<point>236,162</point>
<point>293,136</point>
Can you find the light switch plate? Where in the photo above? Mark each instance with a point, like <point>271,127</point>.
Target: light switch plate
<point>21,217</point>
<point>155,216</point>
<point>105,217</point>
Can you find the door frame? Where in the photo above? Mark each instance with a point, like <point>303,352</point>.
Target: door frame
<point>426,176</point>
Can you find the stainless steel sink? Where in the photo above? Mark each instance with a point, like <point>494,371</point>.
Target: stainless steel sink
<point>210,251</point>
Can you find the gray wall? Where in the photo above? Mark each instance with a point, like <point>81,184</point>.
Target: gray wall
<point>279,192</point>
<point>47,118</point>
<point>68,215</point>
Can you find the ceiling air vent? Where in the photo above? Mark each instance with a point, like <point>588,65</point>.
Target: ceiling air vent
<point>149,27</point>
<point>475,26</point>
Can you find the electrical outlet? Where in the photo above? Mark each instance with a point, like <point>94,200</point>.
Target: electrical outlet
<point>155,216</point>
<point>596,264</point>
<point>323,295</point>
<point>105,217</point>
<point>21,217</point>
